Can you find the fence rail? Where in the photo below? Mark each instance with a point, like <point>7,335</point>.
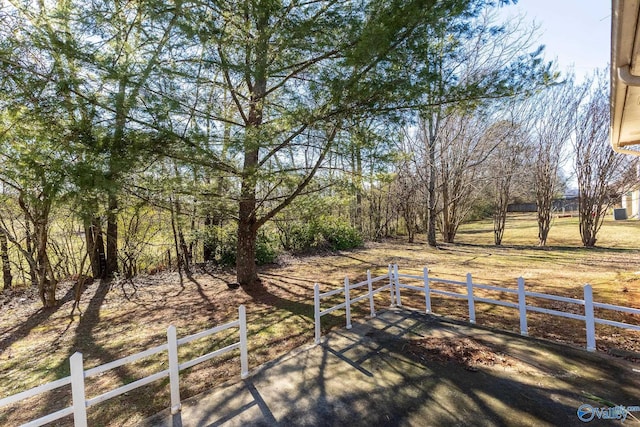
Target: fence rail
<point>78,374</point>
<point>346,290</point>
<point>396,284</point>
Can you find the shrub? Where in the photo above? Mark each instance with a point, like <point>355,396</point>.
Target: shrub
<point>266,249</point>
<point>482,209</point>
<point>339,235</point>
<point>226,249</point>
<point>303,237</point>
<point>223,241</point>
<point>322,233</point>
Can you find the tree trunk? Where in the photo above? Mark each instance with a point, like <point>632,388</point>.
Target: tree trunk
<point>33,273</point>
<point>99,248</point>
<point>247,272</point>
<point>409,220</point>
<point>208,251</point>
<point>544,196</point>
<point>587,227</point>
<point>46,281</point>
<point>503,191</point>
<point>91,247</point>
<point>358,220</point>
<point>7,278</point>
<point>175,234</point>
<point>38,216</point>
<point>445,215</point>
<point>591,213</point>
<point>112,237</point>
<point>431,190</point>
<point>191,248</point>
<point>499,221</point>
<point>184,249</point>
<point>95,247</point>
<point>246,269</point>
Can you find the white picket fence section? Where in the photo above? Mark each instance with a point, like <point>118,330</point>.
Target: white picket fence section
<point>78,374</point>
<point>348,301</point>
<point>426,286</point>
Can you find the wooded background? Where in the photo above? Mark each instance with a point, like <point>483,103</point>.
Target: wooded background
<point>139,135</point>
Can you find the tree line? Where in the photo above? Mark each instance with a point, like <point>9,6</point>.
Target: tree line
<point>139,133</point>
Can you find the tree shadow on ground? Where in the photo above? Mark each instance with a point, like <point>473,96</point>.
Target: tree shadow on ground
<point>22,329</point>
<point>200,289</point>
<point>94,354</point>
<point>260,293</point>
<point>375,379</point>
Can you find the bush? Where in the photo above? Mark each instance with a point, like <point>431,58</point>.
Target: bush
<point>322,233</point>
<point>303,237</point>
<point>339,234</point>
<point>223,241</point>
<point>227,248</point>
<point>266,249</point>
<point>480,210</point>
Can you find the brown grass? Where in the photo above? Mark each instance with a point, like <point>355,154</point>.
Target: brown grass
<point>125,317</point>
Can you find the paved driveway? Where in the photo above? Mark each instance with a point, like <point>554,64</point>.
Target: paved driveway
<point>405,368</point>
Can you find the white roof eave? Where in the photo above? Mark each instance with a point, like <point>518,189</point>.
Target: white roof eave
<point>625,77</point>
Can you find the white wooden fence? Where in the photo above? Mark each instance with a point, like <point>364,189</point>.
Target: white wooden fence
<point>426,286</point>
<point>317,296</point>
<point>78,374</point>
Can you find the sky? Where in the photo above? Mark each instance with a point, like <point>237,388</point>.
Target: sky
<point>575,32</point>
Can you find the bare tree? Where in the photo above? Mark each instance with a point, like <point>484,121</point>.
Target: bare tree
<point>471,75</point>
<point>598,168</point>
<point>506,166</point>
<point>555,112</point>
<point>462,149</point>
<point>408,196</point>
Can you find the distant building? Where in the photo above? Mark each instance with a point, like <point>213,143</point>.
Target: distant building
<point>631,202</point>
<point>630,199</point>
<point>568,203</point>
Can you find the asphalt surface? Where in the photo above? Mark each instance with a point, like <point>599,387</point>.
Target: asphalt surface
<point>372,375</point>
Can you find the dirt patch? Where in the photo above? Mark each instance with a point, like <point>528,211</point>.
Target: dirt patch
<point>464,351</point>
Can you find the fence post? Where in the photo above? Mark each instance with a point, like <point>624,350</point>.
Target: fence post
<point>397,280</point>
<point>589,318</point>
<point>347,300</point>
<point>391,285</point>
<point>370,285</point>
<point>244,359</point>
<point>174,369</point>
<point>316,311</point>
<point>427,290</point>
<point>522,307</point>
<point>472,304</point>
<point>77,390</point>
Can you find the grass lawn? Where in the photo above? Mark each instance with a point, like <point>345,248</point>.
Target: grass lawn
<point>124,317</point>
